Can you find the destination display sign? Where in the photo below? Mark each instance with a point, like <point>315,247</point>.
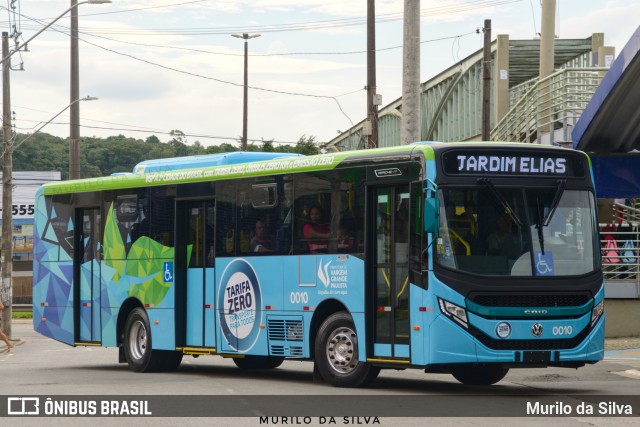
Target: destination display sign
<point>474,162</point>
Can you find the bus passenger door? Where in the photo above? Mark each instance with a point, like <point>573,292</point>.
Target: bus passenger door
<point>390,271</point>
<point>86,290</point>
<point>195,297</point>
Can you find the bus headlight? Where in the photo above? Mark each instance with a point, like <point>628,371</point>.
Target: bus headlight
<point>596,313</point>
<point>454,312</point>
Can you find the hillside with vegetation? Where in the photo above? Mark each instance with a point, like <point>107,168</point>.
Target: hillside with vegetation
<point>104,156</point>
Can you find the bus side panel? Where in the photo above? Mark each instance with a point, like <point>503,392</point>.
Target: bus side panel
<point>163,331</point>
<point>312,279</point>
<point>52,296</point>
<point>140,274</point>
<point>419,317</point>
<point>246,291</point>
<point>108,309</point>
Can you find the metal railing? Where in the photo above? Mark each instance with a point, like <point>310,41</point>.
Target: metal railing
<point>549,105</point>
<point>620,248</point>
<point>629,214</point>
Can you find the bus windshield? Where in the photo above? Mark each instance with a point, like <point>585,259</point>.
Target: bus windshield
<point>517,231</point>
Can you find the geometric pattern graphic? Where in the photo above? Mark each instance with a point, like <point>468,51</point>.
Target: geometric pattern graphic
<point>120,275</point>
<point>52,292</point>
<point>139,273</point>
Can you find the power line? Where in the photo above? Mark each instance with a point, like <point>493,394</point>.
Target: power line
<point>295,26</point>
<point>272,54</point>
<point>63,28</point>
<point>164,132</point>
<point>166,67</point>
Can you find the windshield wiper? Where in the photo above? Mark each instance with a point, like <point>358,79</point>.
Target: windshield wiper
<point>500,199</point>
<point>544,219</point>
<point>556,200</point>
<point>539,226</point>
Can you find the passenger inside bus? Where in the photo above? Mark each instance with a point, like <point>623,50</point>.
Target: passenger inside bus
<point>503,241</point>
<point>261,241</point>
<point>315,233</point>
<point>141,228</point>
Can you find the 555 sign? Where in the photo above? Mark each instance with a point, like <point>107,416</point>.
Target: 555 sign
<point>22,210</point>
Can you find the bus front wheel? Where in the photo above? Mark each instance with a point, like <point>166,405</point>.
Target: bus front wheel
<point>479,375</point>
<point>137,344</point>
<point>336,353</point>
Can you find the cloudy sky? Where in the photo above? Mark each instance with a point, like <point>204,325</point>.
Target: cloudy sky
<point>163,65</point>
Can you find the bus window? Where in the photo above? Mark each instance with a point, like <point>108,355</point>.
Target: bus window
<point>161,212</point>
<point>517,231</point>
<point>225,219</point>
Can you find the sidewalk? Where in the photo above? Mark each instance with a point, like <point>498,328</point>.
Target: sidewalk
<point>622,343</point>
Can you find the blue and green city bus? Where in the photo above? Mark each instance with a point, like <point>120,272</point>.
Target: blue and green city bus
<point>461,258</point>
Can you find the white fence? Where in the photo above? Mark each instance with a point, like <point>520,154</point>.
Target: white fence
<point>620,246</point>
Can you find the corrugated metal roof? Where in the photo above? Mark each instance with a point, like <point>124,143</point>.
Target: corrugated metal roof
<point>524,56</point>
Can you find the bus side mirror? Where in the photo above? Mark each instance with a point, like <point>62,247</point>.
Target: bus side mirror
<point>431,213</point>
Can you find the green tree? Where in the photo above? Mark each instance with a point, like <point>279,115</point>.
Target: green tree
<point>306,145</point>
<point>104,156</point>
<point>153,139</point>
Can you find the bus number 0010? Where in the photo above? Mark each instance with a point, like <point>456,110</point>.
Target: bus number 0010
<point>562,330</point>
<point>299,297</point>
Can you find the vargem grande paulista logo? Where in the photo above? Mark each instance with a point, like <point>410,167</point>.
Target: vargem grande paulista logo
<point>241,299</point>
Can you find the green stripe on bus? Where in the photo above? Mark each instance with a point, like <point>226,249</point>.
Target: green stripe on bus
<point>240,170</point>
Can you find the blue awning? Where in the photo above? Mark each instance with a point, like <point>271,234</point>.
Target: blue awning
<point>617,176</point>
<point>610,122</point>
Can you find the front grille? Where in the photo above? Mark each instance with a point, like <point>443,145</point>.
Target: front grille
<point>532,344</point>
<point>530,300</point>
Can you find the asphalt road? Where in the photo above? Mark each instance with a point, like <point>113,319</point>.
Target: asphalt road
<point>38,366</point>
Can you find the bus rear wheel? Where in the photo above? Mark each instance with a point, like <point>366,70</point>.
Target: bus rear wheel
<point>258,362</point>
<point>137,344</point>
<point>171,362</point>
<point>480,374</point>
<point>336,354</point>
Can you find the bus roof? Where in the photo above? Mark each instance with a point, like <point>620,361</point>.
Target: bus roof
<point>207,160</point>
<point>182,170</point>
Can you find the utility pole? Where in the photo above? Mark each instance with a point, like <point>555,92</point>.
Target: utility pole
<point>245,108</point>
<point>547,37</point>
<point>547,50</point>
<point>411,74</point>
<point>486,82</point>
<point>74,130</point>
<point>6,258</point>
<point>372,104</point>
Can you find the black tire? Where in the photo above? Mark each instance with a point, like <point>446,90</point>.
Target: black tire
<point>258,362</point>
<point>137,344</point>
<point>336,354</point>
<point>479,374</point>
<point>172,360</point>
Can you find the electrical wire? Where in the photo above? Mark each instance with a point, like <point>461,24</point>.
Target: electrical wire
<point>295,26</point>
<point>164,132</point>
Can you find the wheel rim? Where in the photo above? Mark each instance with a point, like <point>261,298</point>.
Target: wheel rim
<point>138,340</point>
<point>342,349</point>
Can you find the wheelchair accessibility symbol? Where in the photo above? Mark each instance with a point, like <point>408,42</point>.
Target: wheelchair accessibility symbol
<point>168,272</point>
<point>544,263</point>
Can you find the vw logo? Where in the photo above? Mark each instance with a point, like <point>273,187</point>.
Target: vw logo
<point>536,330</point>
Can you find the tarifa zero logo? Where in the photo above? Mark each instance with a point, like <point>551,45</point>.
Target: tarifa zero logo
<point>241,300</point>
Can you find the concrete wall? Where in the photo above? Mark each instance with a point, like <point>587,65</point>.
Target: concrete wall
<point>622,317</point>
